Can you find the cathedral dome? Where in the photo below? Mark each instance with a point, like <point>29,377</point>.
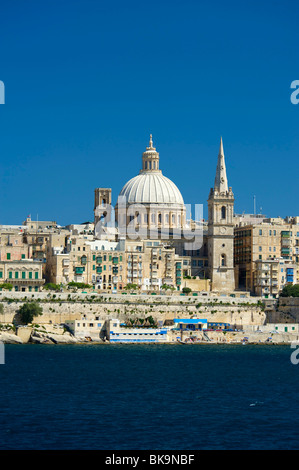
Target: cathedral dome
<point>151,186</point>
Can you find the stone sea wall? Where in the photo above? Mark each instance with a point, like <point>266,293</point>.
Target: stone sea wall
<point>59,307</point>
<point>285,311</point>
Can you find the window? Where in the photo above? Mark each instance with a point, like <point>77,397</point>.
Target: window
<point>7,255</point>
<point>16,275</point>
<point>23,275</point>
<point>260,248</point>
<point>223,212</point>
<point>260,232</point>
<point>30,274</point>
<point>223,260</point>
<point>23,256</point>
<point>36,275</point>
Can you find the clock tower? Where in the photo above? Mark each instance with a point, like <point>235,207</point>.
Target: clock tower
<point>221,230</point>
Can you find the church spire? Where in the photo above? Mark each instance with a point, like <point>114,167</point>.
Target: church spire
<point>221,184</point>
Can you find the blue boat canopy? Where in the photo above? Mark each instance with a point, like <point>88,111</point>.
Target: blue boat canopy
<point>190,321</point>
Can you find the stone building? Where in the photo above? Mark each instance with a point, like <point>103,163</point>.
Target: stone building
<point>25,275</point>
<point>272,239</point>
<point>151,207</point>
<point>271,275</point>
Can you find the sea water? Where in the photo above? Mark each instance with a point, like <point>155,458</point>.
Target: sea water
<point>149,397</point>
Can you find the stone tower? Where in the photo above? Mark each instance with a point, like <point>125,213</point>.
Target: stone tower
<point>102,205</point>
<point>221,230</point>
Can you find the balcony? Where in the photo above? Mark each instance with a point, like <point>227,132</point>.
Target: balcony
<point>285,234</point>
<point>79,270</point>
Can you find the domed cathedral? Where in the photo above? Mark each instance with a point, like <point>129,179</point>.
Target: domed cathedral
<point>150,203</point>
<point>221,230</point>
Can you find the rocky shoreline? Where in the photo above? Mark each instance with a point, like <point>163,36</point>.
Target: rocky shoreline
<point>28,335</point>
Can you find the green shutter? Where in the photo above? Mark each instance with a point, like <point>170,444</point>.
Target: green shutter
<point>30,274</point>
<point>7,255</point>
<point>23,275</point>
<point>36,275</point>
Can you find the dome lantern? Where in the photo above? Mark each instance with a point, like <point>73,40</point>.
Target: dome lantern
<point>150,158</point>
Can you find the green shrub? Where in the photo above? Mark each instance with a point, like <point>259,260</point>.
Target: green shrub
<point>28,311</point>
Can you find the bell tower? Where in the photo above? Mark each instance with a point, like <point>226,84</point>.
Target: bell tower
<point>221,230</point>
<point>102,205</point>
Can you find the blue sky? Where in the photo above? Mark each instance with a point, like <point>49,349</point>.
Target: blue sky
<point>86,82</point>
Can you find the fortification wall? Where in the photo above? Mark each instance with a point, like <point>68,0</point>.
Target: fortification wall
<point>57,308</point>
<point>286,311</point>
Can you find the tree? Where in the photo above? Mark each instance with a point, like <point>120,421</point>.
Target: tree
<point>52,286</point>
<point>131,286</point>
<point>167,287</point>
<point>6,285</point>
<point>79,285</point>
<point>186,290</point>
<point>28,311</point>
<point>290,291</point>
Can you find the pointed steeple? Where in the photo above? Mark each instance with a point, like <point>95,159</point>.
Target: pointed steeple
<point>221,184</point>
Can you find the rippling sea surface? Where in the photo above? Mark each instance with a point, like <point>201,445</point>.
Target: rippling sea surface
<point>149,397</point>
